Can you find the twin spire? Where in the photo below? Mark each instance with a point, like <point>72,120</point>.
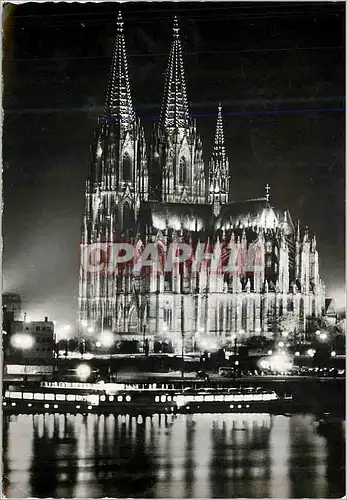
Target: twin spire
<point>174,110</point>
<point>118,103</point>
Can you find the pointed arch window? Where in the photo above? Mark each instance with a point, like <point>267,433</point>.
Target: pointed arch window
<point>128,217</point>
<point>182,177</point>
<point>126,167</point>
<point>168,316</point>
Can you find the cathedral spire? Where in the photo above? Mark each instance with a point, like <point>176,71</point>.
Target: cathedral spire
<point>218,153</point>
<point>174,110</point>
<point>219,167</point>
<point>118,98</point>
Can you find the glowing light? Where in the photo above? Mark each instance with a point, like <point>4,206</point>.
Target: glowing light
<point>323,336</point>
<point>281,344</point>
<point>285,334</point>
<point>279,363</point>
<point>318,332</point>
<point>311,352</point>
<point>98,343</point>
<point>22,341</point>
<point>241,332</point>
<point>83,371</point>
<point>297,353</point>
<point>90,329</point>
<point>269,352</point>
<point>84,323</point>
<point>333,354</point>
<point>257,330</point>
<point>107,338</point>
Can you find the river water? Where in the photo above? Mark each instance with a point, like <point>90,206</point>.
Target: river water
<point>166,456</point>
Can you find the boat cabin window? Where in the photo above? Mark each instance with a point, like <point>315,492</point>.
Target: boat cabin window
<point>219,397</point>
<point>102,398</point>
<point>127,398</point>
<point>209,398</point>
<point>38,396</point>
<point>7,394</point>
<point>60,397</point>
<point>79,397</point>
<point>120,398</point>
<point>199,399</point>
<point>16,395</point>
<point>71,397</point>
<point>49,397</point>
<point>111,398</point>
<point>163,399</point>
<point>27,395</point>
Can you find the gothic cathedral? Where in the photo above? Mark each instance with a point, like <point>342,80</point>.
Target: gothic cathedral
<point>163,192</point>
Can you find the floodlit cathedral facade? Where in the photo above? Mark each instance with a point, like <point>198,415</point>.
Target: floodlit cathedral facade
<point>162,192</point>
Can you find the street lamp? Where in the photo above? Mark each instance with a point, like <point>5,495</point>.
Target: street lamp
<point>83,371</point>
<point>106,339</point>
<point>22,341</point>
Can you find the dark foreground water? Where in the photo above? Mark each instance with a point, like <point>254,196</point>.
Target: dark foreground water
<point>202,456</point>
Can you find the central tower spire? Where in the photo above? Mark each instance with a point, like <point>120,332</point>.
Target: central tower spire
<point>174,111</point>
<point>118,97</point>
<point>219,167</point>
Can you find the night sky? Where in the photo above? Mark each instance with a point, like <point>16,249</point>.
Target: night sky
<point>277,68</point>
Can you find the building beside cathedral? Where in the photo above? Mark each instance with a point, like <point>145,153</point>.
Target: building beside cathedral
<point>161,191</point>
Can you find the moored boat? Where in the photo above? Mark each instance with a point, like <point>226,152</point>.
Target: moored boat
<point>122,398</point>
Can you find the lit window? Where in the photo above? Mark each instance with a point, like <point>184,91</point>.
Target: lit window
<point>60,397</point>
<point>79,397</point>
<point>16,395</point>
<point>169,398</point>
<point>239,406</point>
<point>126,167</point>
<point>219,398</point>
<point>199,399</point>
<point>71,397</point>
<point>13,404</point>
<point>209,398</point>
<point>102,398</point>
<point>127,398</point>
<point>49,397</point>
<point>163,399</point>
<point>238,397</point>
<point>182,171</point>
<point>120,398</point>
<point>157,399</point>
<point>111,398</point>
<point>38,396</point>
<point>46,405</point>
<point>7,394</point>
